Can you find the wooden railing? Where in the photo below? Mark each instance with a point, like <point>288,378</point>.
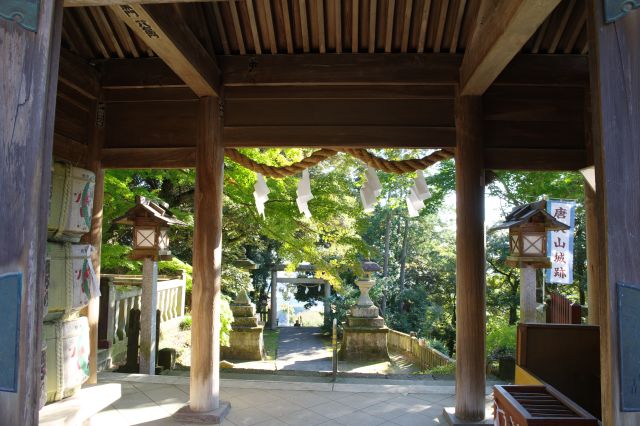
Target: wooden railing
<point>561,310</point>
<point>121,293</point>
<point>425,356</point>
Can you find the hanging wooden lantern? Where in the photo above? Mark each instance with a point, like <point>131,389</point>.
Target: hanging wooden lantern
<point>528,226</point>
<point>151,224</point>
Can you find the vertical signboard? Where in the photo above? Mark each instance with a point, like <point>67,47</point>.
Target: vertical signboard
<point>560,243</point>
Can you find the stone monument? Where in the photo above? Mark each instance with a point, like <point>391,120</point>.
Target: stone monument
<point>245,337</point>
<point>365,334</point>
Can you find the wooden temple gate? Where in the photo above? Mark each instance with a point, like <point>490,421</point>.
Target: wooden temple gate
<point>508,84</point>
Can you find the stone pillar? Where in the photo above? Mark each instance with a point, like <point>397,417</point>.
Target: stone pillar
<point>149,305</point>
<point>528,303</point>
<point>274,299</point>
<point>470,265</point>
<point>327,303</point>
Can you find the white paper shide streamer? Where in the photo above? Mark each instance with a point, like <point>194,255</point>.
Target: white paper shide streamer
<point>417,194</point>
<point>370,191</point>
<point>260,193</point>
<point>304,194</point>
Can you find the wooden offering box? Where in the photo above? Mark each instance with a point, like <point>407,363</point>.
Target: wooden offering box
<point>536,405</point>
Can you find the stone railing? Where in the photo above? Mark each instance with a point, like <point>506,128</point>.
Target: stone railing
<point>121,293</point>
<point>422,354</point>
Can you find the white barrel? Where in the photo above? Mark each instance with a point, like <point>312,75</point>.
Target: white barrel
<point>67,357</point>
<point>71,203</point>
<point>72,281</point>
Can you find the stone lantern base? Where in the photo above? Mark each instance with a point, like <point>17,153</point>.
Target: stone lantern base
<point>245,344</point>
<point>245,338</point>
<point>365,335</point>
<point>364,343</point>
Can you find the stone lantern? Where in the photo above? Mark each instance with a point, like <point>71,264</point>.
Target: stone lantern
<point>528,226</point>
<point>365,333</point>
<point>151,223</point>
<point>245,339</point>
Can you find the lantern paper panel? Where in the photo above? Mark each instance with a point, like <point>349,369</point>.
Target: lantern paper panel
<point>163,239</point>
<point>145,237</point>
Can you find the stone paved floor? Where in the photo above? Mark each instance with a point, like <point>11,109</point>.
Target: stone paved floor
<point>303,349</point>
<point>144,401</point>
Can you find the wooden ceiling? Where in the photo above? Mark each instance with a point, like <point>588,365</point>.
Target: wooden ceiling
<point>254,27</point>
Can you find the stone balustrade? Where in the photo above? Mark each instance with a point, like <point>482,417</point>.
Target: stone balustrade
<point>121,293</point>
<point>425,356</point>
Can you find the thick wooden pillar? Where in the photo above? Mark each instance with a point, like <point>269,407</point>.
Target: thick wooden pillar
<point>470,269</point>
<point>207,262</point>
<point>94,237</point>
<point>28,76</point>
<point>593,259</point>
<point>614,56</point>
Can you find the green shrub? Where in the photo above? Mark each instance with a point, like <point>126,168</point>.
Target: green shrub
<point>501,341</point>
<point>438,345</point>
<point>443,370</point>
<point>226,318</point>
<point>185,324</point>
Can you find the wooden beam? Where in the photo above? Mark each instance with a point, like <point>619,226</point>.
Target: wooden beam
<point>470,270</point>
<point>498,39</point>
<point>534,159</point>
<point>69,150</point>
<point>27,111</point>
<point>340,69</point>
<point>147,158</point>
<point>76,72</point>
<point>339,136</point>
<point>84,3</point>
<point>171,39</point>
<point>336,69</point>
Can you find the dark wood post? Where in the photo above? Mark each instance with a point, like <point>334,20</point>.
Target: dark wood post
<point>470,270</point>
<point>94,237</point>
<point>614,59</point>
<point>29,61</point>
<point>207,262</point>
<point>593,260</point>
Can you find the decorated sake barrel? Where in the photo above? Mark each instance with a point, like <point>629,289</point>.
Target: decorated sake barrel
<point>67,357</point>
<point>71,203</point>
<point>43,373</point>
<point>72,281</point>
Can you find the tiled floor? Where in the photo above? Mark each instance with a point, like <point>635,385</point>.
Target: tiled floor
<point>278,403</point>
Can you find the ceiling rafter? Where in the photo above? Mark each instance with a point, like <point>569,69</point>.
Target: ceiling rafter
<point>172,40</point>
<point>498,39</point>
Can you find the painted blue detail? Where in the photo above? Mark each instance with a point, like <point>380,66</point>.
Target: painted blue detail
<point>629,329</point>
<point>10,299</point>
<point>23,12</point>
<point>616,9</point>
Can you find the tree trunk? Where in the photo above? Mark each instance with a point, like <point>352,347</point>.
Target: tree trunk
<point>385,264</point>
<point>403,264</point>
